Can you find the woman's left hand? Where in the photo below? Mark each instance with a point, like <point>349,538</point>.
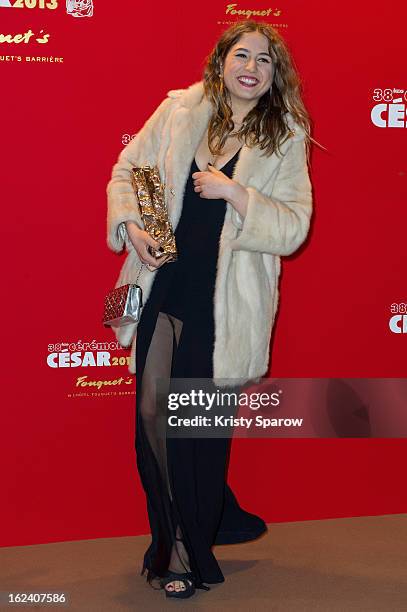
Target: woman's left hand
<point>212,184</point>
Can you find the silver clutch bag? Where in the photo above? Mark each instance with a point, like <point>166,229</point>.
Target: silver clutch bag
<point>123,305</point>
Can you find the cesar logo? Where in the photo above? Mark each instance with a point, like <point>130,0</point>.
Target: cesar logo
<point>389,115</point>
<point>390,108</point>
<point>398,324</point>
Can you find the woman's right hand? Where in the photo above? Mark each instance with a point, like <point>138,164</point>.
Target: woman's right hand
<point>141,240</point>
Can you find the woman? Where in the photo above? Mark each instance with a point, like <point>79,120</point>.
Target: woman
<point>232,151</point>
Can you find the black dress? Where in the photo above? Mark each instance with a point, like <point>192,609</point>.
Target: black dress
<point>185,479</point>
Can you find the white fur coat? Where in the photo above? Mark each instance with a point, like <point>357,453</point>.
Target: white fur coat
<point>248,268</point>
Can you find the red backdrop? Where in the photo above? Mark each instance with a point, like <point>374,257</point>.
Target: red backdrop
<point>68,460</point>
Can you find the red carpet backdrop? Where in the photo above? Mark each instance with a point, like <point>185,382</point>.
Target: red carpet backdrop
<point>78,79</point>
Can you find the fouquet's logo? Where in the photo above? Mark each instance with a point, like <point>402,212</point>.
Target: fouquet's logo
<point>83,8</point>
<point>390,109</point>
<point>234,9</point>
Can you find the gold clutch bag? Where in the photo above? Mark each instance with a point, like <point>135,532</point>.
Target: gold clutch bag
<point>150,194</point>
<point>123,305</point>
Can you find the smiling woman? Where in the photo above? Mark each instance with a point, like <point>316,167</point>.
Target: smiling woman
<point>248,69</point>
<point>232,152</point>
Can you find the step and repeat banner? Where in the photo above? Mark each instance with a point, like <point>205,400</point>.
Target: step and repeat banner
<point>78,80</point>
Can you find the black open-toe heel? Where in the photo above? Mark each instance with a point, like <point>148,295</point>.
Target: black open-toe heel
<point>187,578</point>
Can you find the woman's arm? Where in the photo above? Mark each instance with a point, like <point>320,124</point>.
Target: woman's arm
<point>122,201</point>
<point>238,196</point>
<point>278,224</point>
